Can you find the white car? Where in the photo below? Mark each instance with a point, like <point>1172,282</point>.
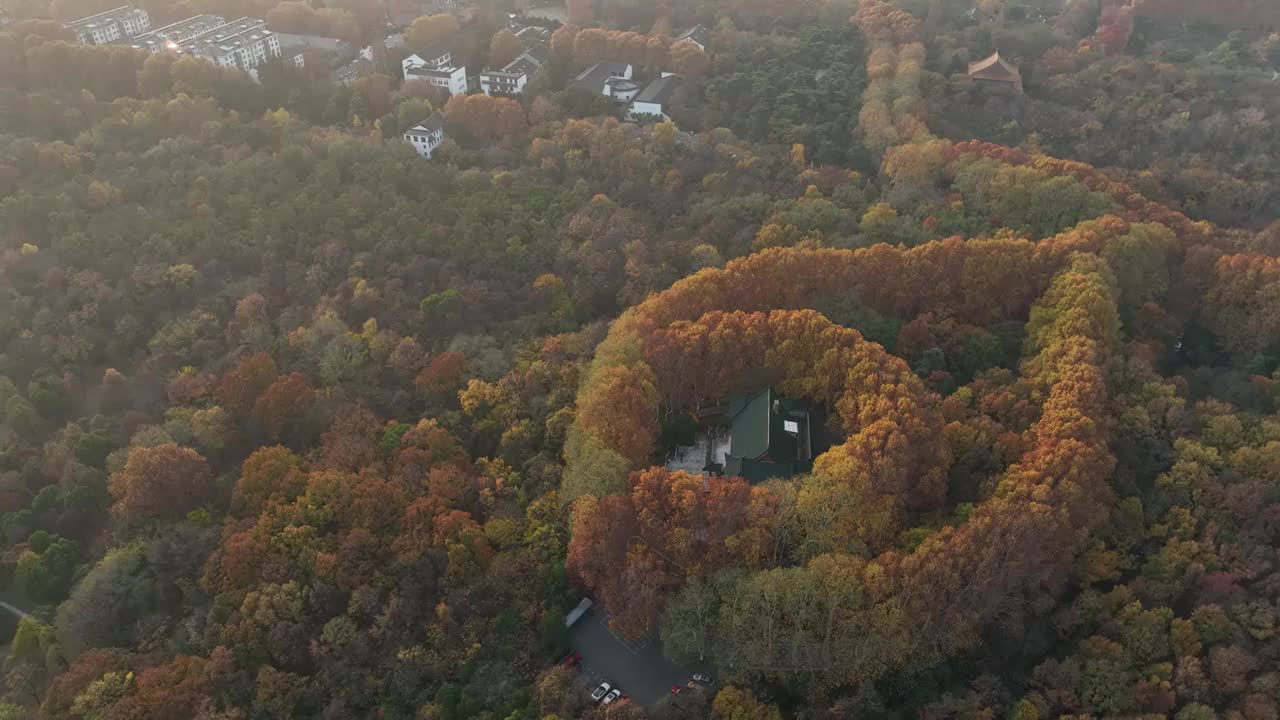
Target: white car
<point>614,694</point>
<point>601,691</point>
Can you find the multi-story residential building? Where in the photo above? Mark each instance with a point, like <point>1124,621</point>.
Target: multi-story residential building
<point>166,38</point>
<point>245,43</point>
<point>511,79</point>
<point>435,67</point>
<point>427,135</point>
<point>107,27</point>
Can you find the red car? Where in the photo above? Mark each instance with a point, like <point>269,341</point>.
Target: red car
<point>675,689</point>
<point>572,660</point>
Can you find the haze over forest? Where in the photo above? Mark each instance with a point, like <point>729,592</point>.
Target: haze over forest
<point>909,359</point>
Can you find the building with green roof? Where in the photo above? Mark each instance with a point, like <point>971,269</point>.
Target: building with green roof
<point>770,437</point>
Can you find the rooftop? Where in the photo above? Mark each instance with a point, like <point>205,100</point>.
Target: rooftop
<point>432,55</point>
<point>995,68</point>
<point>434,123</point>
<point>698,33</point>
<point>527,64</point>
<point>660,90</point>
<point>227,38</point>
<point>193,25</point>
<point>771,437</point>
<point>179,31</point>
<point>538,53</point>
<point>595,77</point>
<point>621,84</point>
<point>102,17</point>
<point>436,72</point>
<point>313,42</point>
<point>534,36</point>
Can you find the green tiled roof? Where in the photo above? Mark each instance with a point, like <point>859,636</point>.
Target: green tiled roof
<point>749,423</point>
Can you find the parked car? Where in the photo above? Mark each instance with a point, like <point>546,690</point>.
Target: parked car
<point>676,689</point>
<point>601,691</point>
<point>613,695</point>
<point>572,660</point>
<point>701,678</point>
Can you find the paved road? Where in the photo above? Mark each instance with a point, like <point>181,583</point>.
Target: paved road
<point>14,610</point>
<point>641,670</point>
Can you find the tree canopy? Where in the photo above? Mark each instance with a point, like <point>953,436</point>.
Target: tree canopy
<point>295,423</point>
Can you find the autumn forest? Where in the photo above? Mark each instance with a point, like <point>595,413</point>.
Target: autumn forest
<point>295,423</point>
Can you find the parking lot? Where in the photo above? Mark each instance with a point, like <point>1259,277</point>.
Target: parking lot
<point>641,670</point>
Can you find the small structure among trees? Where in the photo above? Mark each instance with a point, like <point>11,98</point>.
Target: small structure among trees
<point>996,69</point>
<point>771,437</point>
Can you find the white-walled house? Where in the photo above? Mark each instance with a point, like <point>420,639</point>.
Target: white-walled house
<point>621,90</point>
<point>653,101</point>
<point>611,79</point>
<point>435,67</point>
<point>427,135</point>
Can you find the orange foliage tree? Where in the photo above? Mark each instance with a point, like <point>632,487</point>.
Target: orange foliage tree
<point>670,526</point>
<point>240,387</point>
<point>486,117</point>
<point>1240,299</point>
<point>160,483</point>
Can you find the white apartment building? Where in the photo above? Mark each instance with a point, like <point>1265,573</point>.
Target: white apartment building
<point>107,27</point>
<point>435,67</point>
<point>511,79</point>
<point>245,43</point>
<point>167,38</point>
<point>427,135</point>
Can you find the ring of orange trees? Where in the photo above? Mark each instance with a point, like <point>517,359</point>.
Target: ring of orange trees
<point>936,599</point>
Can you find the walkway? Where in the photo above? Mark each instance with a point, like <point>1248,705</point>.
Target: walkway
<point>20,613</point>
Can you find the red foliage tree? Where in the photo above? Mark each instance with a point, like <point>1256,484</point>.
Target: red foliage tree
<point>160,483</point>
<point>283,403</point>
<point>444,373</point>
<point>1115,26</point>
<point>240,387</point>
<point>177,689</point>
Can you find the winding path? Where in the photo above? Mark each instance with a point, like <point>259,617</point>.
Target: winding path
<point>20,613</point>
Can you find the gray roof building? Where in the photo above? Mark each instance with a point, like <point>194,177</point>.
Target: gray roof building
<point>698,35</point>
<point>434,123</point>
<point>659,91</point>
<point>525,64</point>
<point>534,36</point>
<point>597,77</point>
<point>772,437</point>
